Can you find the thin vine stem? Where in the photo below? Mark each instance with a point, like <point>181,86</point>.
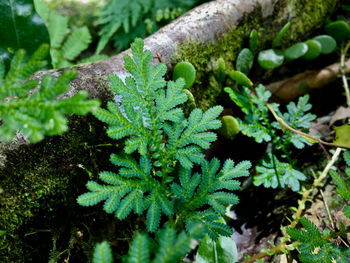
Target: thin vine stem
<point>342,72</point>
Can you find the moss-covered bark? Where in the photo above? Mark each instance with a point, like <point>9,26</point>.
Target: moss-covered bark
<point>39,183</point>
<point>305,17</point>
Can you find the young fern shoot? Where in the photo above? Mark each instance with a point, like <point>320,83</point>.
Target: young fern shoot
<point>160,181</point>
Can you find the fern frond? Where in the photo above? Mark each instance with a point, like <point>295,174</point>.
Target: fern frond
<point>298,118</point>
<point>188,138</point>
<point>169,245</point>
<point>133,201</point>
<point>106,116</point>
<point>211,223</point>
<point>156,202</point>
<point>153,213</point>
<point>58,28</point>
<point>272,172</point>
<point>12,83</point>
<point>78,41</point>
<point>132,189</point>
<point>254,107</point>
<point>210,183</point>
<point>342,187</point>
<point>219,200</point>
<point>102,253</point>
<point>139,250</point>
<point>315,247</point>
<point>120,14</point>
<point>346,156</point>
<point>199,190</point>
<point>172,247</point>
<point>167,100</point>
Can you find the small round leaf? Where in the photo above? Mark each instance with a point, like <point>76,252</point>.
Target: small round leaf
<point>270,58</point>
<point>340,30</point>
<point>328,43</point>
<point>245,60</point>
<point>229,128</point>
<point>314,49</point>
<point>186,71</point>
<point>296,51</point>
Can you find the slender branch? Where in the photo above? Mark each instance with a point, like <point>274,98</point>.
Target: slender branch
<point>327,210</point>
<point>342,72</point>
<point>309,137</point>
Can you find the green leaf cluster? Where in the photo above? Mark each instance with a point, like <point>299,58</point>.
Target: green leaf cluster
<point>147,116</point>
<point>102,253</point>
<point>316,247</point>
<point>310,49</point>
<point>169,246</point>
<point>124,20</point>
<point>273,173</point>
<point>258,124</point>
<point>65,44</point>
<point>40,113</point>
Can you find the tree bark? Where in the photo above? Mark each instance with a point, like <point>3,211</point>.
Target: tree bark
<point>54,170</point>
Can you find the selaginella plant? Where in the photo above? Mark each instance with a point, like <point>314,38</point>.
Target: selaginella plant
<point>39,114</point>
<point>258,124</point>
<point>65,45</point>
<point>161,146</point>
<point>315,246</point>
<point>124,20</point>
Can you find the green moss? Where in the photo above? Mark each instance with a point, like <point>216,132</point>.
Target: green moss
<point>40,184</point>
<point>311,16</point>
<point>200,56</point>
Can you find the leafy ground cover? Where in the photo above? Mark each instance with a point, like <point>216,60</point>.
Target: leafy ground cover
<point>254,179</point>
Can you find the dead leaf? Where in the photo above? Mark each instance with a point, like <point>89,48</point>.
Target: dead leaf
<point>342,137</point>
<point>340,114</point>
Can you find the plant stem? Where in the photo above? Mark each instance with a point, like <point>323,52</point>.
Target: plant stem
<point>342,72</point>
<point>310,138</point>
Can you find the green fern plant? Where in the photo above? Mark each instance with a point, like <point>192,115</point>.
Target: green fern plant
<point>124,20</point>
<point>65,46</point>
<point>102,253</point>
<point>343,186</point>
<point>39,114</point>
<point>160,182</point>
<point>257,123</point>
<point>316,247</point>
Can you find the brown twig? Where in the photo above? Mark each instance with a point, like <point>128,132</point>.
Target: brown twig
<point>309,137</point>
<point>291,88</point>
